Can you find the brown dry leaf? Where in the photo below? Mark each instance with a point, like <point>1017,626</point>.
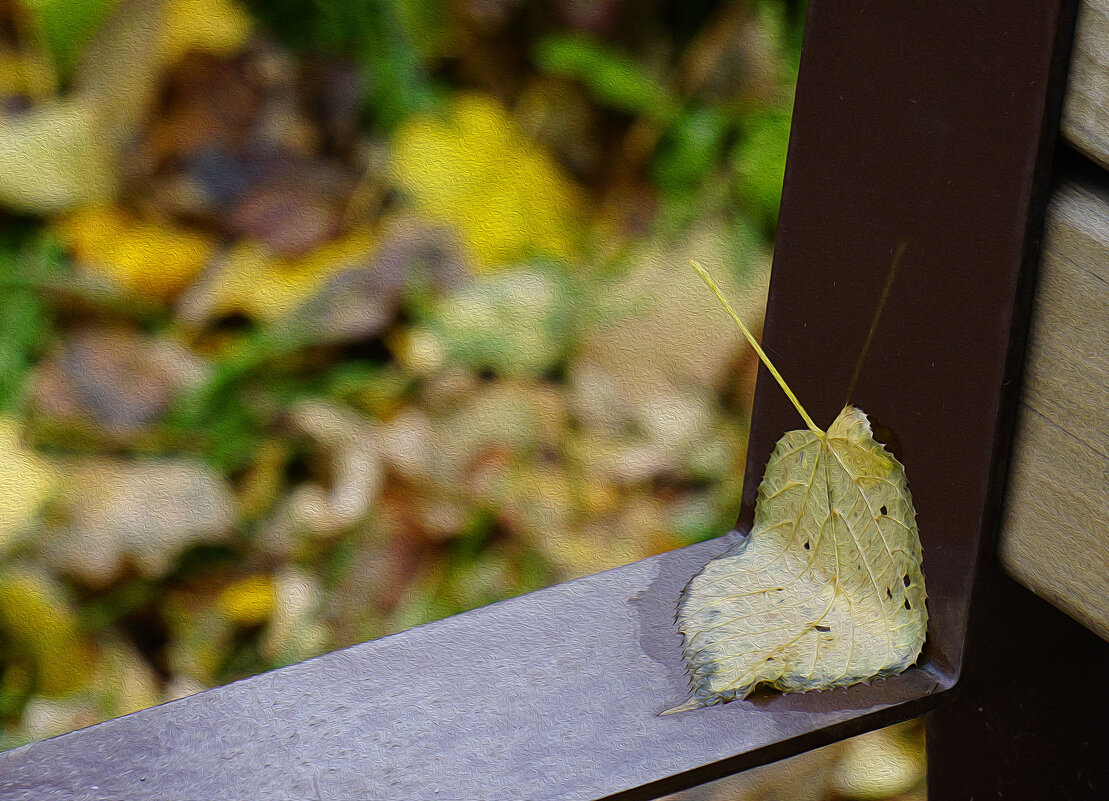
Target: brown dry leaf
<point>362,301</point>
<point>63,152</point>
<point>116,380</point>
<point>295,207</point>
<point>447,449</point>
<point>144,511</point>
<point>558,113</point>
<point>351,447</point>
<point>208,103</point>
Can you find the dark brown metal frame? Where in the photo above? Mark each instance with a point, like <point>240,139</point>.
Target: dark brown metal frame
<point>924,124</point>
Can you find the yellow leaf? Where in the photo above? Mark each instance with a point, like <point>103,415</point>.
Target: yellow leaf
<point>219,26</point>
<point>828,589</point>
<point>53,157</point>
<point>25,482</point>
<point>39,622</point>
<point>127,682</point>
<point>248,601</point>
<point>476,170</point>
<point>255,283</point>
<point>25,74</point>
<point>151,259</point>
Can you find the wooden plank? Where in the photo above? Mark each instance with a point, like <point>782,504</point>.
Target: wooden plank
<point>1086,110</point>
<point>1055,538</point>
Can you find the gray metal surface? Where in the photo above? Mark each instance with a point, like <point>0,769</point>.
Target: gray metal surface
<point>550,695</point>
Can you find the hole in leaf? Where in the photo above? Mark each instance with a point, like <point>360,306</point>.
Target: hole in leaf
<point>806,545</point>
<point>906,580</point>
<point>883,510</point>
<point>821,628</point>
<point>907,606</point>
<point>889,592</point>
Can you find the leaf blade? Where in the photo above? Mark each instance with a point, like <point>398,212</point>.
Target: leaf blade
<point>828,590</point>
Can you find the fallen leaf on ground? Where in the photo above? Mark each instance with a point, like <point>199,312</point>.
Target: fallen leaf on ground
<point>150,258</point>
<point>516,323</point>
<point>250,280</point>
<point>351,448</point>
<point>25,479</point>
<point>362,301</point>
<point>248,601</point>
<point>475,169</point>
<point>53,157</point>
<point>37,622</point>
<point>146,511</point>
<point>294,631</point>
<point>218,26</point>
<point>119,380</point>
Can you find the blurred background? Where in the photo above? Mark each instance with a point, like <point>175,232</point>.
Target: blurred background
<point>321,320</point>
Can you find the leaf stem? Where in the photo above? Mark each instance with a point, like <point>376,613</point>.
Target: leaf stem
<point>701,271</point>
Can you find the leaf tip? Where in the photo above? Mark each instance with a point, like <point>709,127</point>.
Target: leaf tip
<point>686,706</point>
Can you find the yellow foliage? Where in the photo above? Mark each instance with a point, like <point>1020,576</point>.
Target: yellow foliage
<point>475,169</point>
<point>53,157</point>
<point>152,259</point>
<point>248,601</point>
<point>25,74</point>
<point>128,684</point>
<point>219,26</point>
<point>25,481</point>
<point>255,283</point>
<point>43,627</point>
